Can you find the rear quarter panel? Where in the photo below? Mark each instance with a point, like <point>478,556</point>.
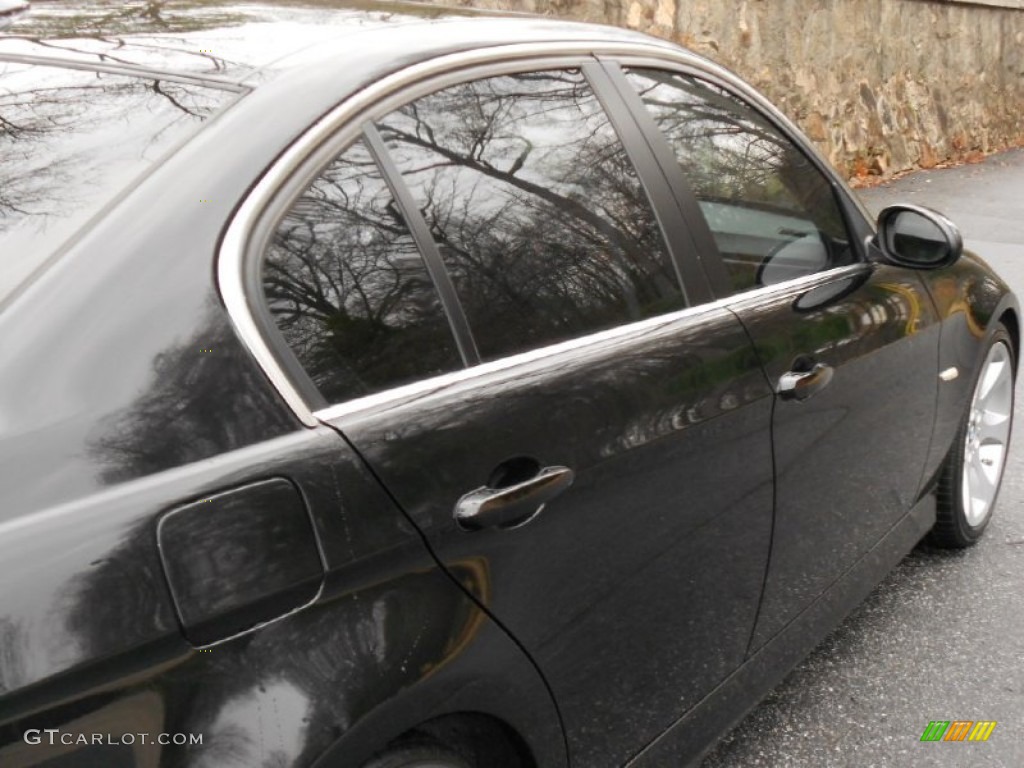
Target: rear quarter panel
<point>124,393</point>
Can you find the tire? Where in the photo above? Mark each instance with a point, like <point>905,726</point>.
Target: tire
<point>970,479</point>
<point>419,753</point>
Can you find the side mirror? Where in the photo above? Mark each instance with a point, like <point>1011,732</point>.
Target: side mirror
<point>917,237</point>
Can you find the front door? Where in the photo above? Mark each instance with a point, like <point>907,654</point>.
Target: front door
<point>849,346</point>
<point>849,458</point>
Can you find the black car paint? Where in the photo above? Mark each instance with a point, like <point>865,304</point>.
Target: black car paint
<point>660,543</point>
<point>386,618</point>
<point>838,489</point>
<point>109,339</point>
<point>240,557</point>
<point>725,706</point>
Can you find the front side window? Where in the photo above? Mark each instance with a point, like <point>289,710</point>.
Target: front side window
<point>348,289</point>
<point>773,214</point>
<point>538,214</point>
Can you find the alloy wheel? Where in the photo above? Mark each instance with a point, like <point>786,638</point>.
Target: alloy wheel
<point>988,434</point>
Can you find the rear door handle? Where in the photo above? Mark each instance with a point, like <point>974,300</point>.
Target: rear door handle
<point>517,504</point>
<point>800,385</point>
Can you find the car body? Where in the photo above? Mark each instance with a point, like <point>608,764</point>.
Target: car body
<point>391,378</point>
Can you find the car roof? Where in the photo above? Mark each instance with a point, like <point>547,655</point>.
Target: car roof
<point>249,42</point>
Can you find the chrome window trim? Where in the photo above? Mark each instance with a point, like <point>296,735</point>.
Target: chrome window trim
<point>437,383</point>
<point>299,163</point>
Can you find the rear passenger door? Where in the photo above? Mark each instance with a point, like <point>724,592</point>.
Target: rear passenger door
<point>483,293</point>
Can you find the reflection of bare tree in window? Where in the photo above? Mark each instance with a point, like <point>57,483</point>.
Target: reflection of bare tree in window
<point>730,153</point>
<point>538,212</point>
<point>536,208</point>
<point>348,288</point>
<point>734,158</point>
<point>763,199</point>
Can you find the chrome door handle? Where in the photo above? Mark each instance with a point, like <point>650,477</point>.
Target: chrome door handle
<point>512,506</point>
<point>800,385</point>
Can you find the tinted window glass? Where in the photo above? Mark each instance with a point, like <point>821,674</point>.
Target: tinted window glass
<point>347,286</point>
<point>539,216</point>
<point>773,214</point>
<point>70,140</point>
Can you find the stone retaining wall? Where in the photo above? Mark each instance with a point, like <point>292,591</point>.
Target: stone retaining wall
<point>881,85</point>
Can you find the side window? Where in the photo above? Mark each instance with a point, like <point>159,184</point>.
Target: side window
<point>773,214</point>
<point>347,287</point>
<point>539,216</point>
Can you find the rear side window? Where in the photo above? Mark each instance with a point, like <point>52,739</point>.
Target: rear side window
<point>539,216</point>
<point>70,141</point>
<point>773,214</point>
<point>348,289</point>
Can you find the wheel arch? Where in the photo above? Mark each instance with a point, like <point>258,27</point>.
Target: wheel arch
<point>493,701</point>
<point>482,738</point>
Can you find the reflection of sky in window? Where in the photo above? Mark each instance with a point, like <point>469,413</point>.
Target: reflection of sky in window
<point>712,138</point>
<point>544,133</point>
<point>70,140</point>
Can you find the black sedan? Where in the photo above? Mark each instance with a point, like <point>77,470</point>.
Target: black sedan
<point>384,386</point>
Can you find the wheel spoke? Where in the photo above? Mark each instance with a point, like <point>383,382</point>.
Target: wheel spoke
<point>993,428</point>
<point>996,373</point>
<point>978,492</point>
<point>994,391</point>
<point>990,462</point>
<point>989,378</point>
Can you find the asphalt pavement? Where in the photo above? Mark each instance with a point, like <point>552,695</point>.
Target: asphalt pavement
<point>942,638</point>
